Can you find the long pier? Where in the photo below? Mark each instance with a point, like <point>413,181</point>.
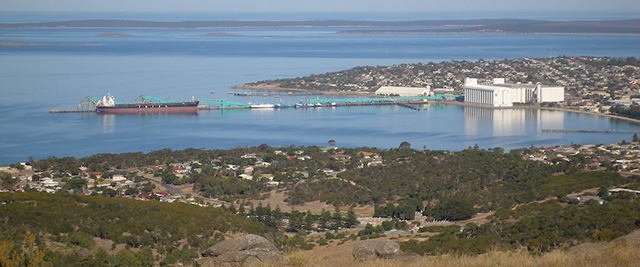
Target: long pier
<point>72,110</point>
<point>586,131</point>
<point>405,102</point>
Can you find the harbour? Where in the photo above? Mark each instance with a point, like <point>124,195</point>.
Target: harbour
<point>41,118</point>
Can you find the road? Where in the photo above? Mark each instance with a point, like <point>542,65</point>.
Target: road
<point>177,190</point>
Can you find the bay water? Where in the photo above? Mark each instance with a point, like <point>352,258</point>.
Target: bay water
<point>178,64</point>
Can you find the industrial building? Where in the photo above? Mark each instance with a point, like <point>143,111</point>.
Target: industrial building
<point>403,91</point>
<point>501,94</point>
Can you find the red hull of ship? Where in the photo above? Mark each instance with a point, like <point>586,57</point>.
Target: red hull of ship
<point>182,108</point>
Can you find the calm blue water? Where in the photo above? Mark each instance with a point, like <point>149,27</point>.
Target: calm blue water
<point>179,64</point>
<point>27,17</point>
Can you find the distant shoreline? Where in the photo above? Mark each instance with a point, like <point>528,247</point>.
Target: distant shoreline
<point>43,44</point>
<point>472,32</point>
<point>478,26</point>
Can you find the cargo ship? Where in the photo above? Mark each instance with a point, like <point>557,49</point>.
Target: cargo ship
<point>146,105</point>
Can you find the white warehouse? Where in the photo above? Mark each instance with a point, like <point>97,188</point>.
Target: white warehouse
<point>403,91</point>
<point>501,94</point>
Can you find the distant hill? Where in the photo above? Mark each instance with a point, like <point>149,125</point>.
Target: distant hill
<point>434,26</point>
<point>524,26</point>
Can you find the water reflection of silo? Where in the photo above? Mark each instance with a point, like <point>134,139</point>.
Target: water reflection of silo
<point>476,118</point>
<point>497,122</point>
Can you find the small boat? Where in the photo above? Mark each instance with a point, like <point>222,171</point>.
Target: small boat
<point>262,106</point>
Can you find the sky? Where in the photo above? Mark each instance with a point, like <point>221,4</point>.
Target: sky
<point>285,6</point>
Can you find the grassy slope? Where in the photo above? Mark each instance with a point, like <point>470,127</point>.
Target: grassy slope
<point>340,255</point>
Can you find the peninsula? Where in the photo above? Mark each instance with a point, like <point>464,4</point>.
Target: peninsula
<point>599,85</point>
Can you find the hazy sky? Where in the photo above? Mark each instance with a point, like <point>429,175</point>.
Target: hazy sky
<point>319,5</point>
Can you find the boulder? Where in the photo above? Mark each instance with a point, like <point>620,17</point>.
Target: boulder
<point>587,249</point>
<point>246,250</point>
<point>632,239</point>
<point>372,249</point>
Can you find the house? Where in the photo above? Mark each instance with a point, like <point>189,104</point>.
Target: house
<point>368,155</point>
<point>98,175</point>
<point>245,176</point>
<point>618,190</point>
<point>341,156</point>
<point>179,169</point>
<point>375,162</point>
<point>154,168</point>
<point>263,164</point>
<point>118,178</point>
<point>48,182</point>
<point>593,165</point>
<point>267,176</point>
<point>247,170</point>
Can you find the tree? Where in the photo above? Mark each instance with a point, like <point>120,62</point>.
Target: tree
<point>308,221</point>
<point>351,219</point>
<point>31,255</point>
<point>325,217</point>
<point>145,257</point>
<point>635,138</point>
<point>404,145</point>
<point>126,257</point>
<point>169,178</point>
<point>332,142</point>
<point>453,210</point>
<point>109,192</point>
<point>337,219</point>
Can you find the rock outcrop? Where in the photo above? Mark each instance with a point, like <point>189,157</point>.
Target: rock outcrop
<point>372,249</point>
<point>587,249</point>
<point>246,250</point>
<point>632,239</point>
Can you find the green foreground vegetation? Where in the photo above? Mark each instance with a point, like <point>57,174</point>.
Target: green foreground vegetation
<point>534,204</point>
<point>540,227</point>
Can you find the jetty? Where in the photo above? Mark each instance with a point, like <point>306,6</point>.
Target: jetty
<point>88,105</point>
<point>72,111</point>
<point>586,131</point>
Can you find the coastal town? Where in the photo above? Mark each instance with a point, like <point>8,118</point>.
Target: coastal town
<point>171,181</point>
<point>588,84</point>
<point>592,84</point>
